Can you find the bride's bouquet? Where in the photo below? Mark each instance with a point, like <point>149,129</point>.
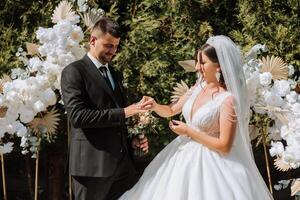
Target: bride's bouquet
<point>140,125</point>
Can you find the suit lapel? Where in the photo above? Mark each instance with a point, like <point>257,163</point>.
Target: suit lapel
<point>95,72</point>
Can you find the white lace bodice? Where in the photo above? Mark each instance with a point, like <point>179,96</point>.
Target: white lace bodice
<point>206,117</point>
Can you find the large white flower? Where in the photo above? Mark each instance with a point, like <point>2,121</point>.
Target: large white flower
<point>21,130</point>
<point>282,87</point>
<point>63,29</point>
<point>273,99</point>
<point>34,64</point>
<point>292,97</point>
<point>265,78</point>
<point>26,115</point>
<point>45,35</point>
<point>296,108</point>
<point>49,96</point>
<point>276,148</point>
<point>77,34</point>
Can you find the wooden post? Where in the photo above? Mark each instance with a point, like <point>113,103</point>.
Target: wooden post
<point>36,175</point>
<point>264,137</point>
<point>3,178</point>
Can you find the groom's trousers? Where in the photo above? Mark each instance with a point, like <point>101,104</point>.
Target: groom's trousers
<point>105,188</point>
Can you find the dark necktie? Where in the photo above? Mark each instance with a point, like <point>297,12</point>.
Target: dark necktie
<point>103,71</point>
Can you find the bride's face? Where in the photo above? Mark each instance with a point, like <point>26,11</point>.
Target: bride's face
<point>206,67</point>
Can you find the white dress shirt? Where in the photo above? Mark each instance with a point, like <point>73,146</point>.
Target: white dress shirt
<point>98,64</point>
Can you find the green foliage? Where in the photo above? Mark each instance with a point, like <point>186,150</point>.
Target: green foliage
<point>271,22</point>
<point>18,21</point>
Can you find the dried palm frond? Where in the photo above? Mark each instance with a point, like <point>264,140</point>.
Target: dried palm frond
<point>295,187</point>
<point>3,111</point>
<point>179,90</point>
<point>49,122</point>
<point>32,49</point>
<point>280,113</point>
<point>188,65</point>
<point>253,132</point>
<point>92,16</point>
<point>4,79</point>
<point>276,66</point>
<point>281,165</point>
<point>63,11</point>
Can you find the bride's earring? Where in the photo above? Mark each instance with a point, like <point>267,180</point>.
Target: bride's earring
<point>218,75</point>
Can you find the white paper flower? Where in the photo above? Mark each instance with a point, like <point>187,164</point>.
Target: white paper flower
<point>34,64</point>
<point>6,148</point>
<point>282,87</point>
<point>63,29</point>
<point>296,108</point>
<point>39,106</point>
<point>291,70</point>
<point>292,97</point>
<point>45,35</point>
<point>77,34</point>
<point>26,115</point>
<point>265,78</point>
<point>49,96</point>
<point>273,99</point>
<point>276,149</point>
<point>21,130</point>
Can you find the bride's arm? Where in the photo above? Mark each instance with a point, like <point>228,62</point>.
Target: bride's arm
<point>221,144</point>
<point>171,109</point>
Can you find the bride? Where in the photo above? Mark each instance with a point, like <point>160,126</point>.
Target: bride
<point>211,159</point>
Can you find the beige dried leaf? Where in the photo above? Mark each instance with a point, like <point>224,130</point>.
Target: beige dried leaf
<point>32,49</point>
<point>253,132</point>
<point>276,66</point>
<point>295,187</point>
<point>63,11</point>
<point>4,79</point>
<point>281,165</point>
<point>48,121</point>
<point>179,90</point>
<point>188,65</point>
<point>92,16</point>
<point>3,111</point>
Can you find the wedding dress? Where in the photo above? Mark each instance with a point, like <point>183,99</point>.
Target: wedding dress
<point>188,170</point>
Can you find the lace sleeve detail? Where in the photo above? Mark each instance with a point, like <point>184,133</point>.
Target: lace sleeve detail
<point>227,110</point>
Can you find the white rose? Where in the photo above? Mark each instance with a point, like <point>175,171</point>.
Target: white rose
<point>265,78</point>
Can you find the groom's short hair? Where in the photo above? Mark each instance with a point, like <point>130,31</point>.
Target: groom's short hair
<point>107,25</point>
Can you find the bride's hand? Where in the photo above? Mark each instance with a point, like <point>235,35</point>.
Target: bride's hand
<point>178,127</point>
<point>147,103</point>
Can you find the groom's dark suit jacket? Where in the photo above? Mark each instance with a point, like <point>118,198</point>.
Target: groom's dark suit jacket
<point>97,118</point>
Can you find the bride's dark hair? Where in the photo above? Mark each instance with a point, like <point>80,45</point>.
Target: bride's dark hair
<point>211,53</point>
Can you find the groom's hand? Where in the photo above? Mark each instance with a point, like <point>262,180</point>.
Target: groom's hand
<point>147,103</point>
<point>134,109</point>
<point>140,143</point>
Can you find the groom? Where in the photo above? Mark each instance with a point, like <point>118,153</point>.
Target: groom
<point>99,161</point>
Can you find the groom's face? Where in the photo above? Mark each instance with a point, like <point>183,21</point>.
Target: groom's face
<point>105,46</point>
